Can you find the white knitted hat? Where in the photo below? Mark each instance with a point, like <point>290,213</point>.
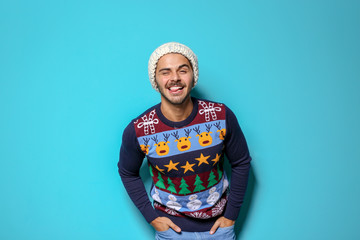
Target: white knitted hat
<point>172,47</point>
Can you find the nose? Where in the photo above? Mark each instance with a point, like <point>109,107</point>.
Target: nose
<point>175,76</point>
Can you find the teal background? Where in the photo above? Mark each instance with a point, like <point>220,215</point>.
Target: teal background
<point>74,73</point>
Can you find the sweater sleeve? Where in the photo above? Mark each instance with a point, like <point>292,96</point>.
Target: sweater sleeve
<point>130,161</point>
<point>238,155</point>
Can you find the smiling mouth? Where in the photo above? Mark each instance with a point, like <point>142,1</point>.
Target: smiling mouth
<point>175,89</point>
<point>185,146</point>
<point>205,142</point>
<point>162,151</point>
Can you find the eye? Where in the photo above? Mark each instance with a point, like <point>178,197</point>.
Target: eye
<point>164,144</point>
<point>207,134</point>
<point>179,140</point>
<point>201,135</point>
<point>185,139</point>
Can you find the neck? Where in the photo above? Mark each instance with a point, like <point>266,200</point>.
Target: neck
<point>176,113</point>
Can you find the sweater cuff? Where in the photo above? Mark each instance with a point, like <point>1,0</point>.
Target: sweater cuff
<point>231,213</point>
<point>149,213</point>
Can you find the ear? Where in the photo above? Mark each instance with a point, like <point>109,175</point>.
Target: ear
<point>155,144</point>
<point>210,132</point>
<point>197,135</point>
<point>167,142</point>
<point>176,140</point>
<point>189,137</point>
<point>218,131</point>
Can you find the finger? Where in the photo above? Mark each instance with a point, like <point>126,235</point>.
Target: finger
<point>215,227</point>
<point>174,226</point>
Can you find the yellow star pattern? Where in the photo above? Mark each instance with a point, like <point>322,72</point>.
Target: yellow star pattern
<point>159,169</point>
<point>202,159</point>
<point>188,166</point>
<point>171,166</point>
<point>216,159</point>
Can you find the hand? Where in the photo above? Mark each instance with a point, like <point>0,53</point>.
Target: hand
<point>221,222</point>
<point>163,223</point>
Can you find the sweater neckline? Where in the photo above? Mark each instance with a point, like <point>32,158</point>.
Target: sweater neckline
<point>180,124</point>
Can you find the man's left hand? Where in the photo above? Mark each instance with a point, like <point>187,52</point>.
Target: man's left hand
<point>221,222</point>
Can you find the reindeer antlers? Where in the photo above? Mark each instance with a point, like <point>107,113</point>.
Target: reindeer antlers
<point>187,132</point>
<point>166,136</point>
<point>217,125</point>
<point>155,139</point>
<point>208,127</point>
<point>197,129</point>
<point>176,135</point>
<point>146,141</point>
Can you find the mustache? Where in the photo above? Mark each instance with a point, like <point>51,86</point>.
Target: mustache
<point>175,84</point>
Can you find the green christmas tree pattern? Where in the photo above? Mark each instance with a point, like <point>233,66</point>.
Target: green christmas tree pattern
<point>184,187</point>
<point>198,186</point>
<point>220,172</point>
<point>171,187</point>
<point>151,171</point>
<point>212,181</point>
<point>160,182</point>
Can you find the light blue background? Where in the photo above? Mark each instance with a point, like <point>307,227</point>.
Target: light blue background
<point>74,73</point>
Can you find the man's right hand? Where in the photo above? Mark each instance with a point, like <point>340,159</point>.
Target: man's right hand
<point>163,223</point>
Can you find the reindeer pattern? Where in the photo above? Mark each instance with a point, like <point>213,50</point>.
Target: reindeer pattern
<point>193,138</point>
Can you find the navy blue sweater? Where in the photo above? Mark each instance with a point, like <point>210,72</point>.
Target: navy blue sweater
<point>186,164</point>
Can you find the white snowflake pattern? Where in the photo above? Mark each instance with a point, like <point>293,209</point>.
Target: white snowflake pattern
<point>171,211</point>
<point>219,208</point>
<point>200,215</point>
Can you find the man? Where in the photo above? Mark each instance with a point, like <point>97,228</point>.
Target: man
<point>184,140</point>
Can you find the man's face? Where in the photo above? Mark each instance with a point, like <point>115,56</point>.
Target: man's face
<point>174,77</point>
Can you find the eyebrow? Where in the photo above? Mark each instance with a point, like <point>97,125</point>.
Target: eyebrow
<point>181,66</point>
<point>184,65</point>
<point>164,69</point>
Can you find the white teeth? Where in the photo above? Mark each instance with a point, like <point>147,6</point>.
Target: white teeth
<point>175,88</point>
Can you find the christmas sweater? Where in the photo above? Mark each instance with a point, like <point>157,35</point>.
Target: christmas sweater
<point>185,161</point>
